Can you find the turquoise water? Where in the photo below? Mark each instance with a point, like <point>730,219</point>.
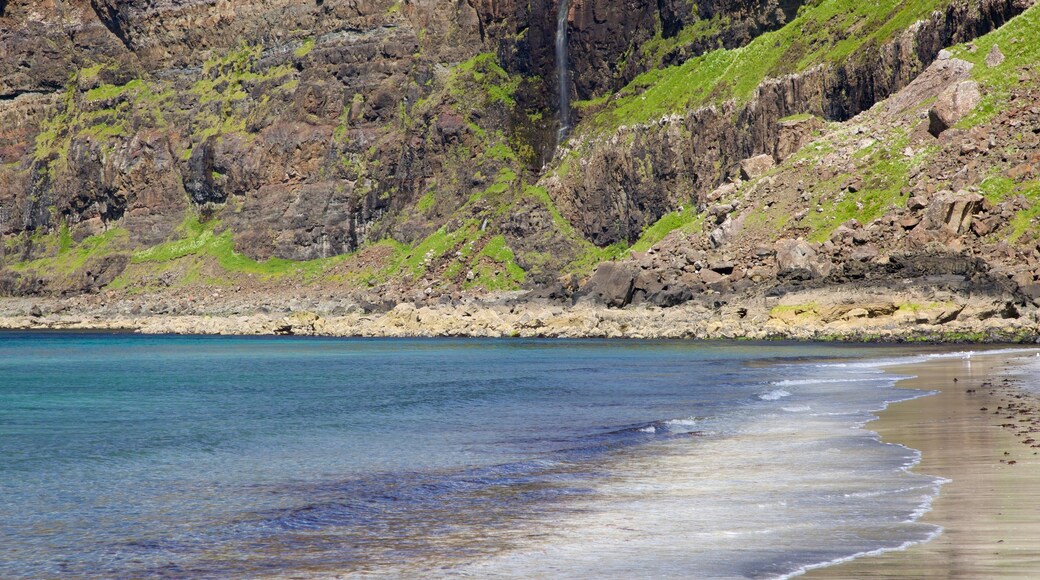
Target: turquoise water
<point>215,457</point>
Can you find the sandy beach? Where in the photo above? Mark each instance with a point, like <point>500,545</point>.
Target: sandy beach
<point>977,432</point>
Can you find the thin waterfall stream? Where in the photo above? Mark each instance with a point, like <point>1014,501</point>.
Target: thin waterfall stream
<point>562,72</point>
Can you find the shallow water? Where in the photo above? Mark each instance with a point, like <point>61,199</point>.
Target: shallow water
<point>215,457</point>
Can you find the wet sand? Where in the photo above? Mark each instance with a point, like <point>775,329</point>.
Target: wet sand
<point>990,511</point>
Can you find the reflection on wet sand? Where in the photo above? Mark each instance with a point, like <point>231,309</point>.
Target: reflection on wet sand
<point>976,432</point>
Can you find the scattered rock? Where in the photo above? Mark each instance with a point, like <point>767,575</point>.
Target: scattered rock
<point>995,57</point>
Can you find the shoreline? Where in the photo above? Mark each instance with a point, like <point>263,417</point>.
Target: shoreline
<point>514,317</point>
<point>986,510</point>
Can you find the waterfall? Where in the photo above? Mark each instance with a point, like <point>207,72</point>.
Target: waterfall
<point>562,73</point>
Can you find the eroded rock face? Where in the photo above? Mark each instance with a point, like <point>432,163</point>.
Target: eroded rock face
<point>606,37</point>
<point>795,134</point>
<point>41,45</point>
<point>342,121</point>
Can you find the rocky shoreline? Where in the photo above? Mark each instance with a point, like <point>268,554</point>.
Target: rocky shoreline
<point>819,314</point>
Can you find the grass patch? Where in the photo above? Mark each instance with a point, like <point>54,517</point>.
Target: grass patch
<point>200,240</point>
<point>304,49</point>
<point>668,223</point>
<point>1027,221</point>
<point>70,257</point>
<point>824,32</point>
<point>1019,40</point>
<point>885,171</point>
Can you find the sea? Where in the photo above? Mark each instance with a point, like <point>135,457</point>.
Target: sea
<point>129,456</point>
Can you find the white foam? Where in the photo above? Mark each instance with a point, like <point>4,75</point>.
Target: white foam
<point>902,547</point>
<point>774,395</point>
<point>798,409</point>
<point>649,429</point>
<point>799,382</point>
<point>687,422</point>
<point>877,364</point>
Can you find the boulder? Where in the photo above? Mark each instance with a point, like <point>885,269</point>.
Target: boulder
<point>724,267</point>
<point>951,211</point>
<point>796,259</point>
<point>865,253</point>
<point>756,166</point>
<point>952,105</point>
<point>909,222</point>
<point>995,57</point>
<point>729,229</point>
<point>612,284</point>
<point>916,203</point>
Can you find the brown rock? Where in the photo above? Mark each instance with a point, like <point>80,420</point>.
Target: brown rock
<point>724,267</point>
<point>795,134</point>
<point>909,222</point>
<point>865,253</point>
<point>756,166</point>
<point>952,212</point>
<point>916,203</point>
<point>707,276</point>
<point>1022,171</point>
<point>797,259</point>
<point>981,227</point>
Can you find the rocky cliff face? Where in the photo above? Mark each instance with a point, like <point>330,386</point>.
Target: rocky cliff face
<point>406,149</point>
<point>308,129</point>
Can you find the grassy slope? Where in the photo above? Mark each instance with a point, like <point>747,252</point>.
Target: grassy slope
<point>828,31</point>
<point>1019,41</point>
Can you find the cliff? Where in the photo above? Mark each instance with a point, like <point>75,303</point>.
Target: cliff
<point>378,152</point>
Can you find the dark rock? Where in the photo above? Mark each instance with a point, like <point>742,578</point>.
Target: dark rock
<point>612,284</point>
<point>724,267</point>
